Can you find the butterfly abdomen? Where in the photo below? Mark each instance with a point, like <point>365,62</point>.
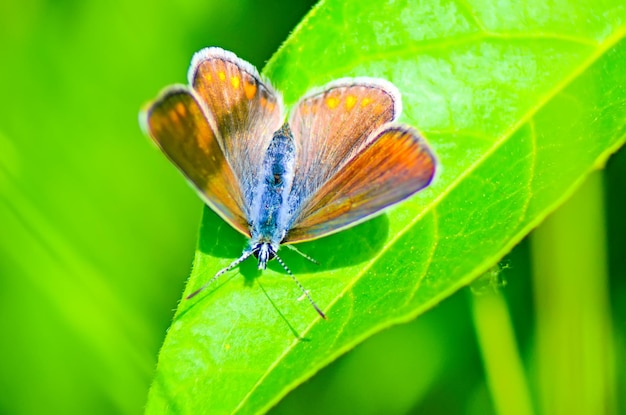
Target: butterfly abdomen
<point>274,180</point>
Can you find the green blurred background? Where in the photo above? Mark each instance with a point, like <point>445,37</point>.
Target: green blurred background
<point>97,229</point>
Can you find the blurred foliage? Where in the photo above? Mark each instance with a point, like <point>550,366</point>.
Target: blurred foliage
<point>97,230</point>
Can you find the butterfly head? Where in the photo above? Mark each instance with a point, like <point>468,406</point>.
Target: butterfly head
<point>263,252</point>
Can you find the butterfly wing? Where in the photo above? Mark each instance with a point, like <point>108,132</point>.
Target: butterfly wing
<point>245,110</point>
<point>330,126</point>
<point>177,122</point>
<point>395,164</point>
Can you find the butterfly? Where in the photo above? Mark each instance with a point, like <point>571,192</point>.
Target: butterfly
<point>336,160</point>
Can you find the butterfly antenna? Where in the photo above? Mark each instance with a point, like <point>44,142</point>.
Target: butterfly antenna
<point>220,272</point>
<point>305,292</point>
<point>293,248</point>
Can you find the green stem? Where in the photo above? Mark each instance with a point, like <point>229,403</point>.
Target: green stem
<point>574,343</point>
<point>503,367</point>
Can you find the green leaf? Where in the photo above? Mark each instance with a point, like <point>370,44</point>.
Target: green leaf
<point>520,101</point>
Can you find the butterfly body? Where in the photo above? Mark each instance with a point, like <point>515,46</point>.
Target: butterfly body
<point>338,159</point>
<point>270,205</point>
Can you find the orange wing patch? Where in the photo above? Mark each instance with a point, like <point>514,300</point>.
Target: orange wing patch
<point>327,138</point>
<point>243,110</point>
<point>177,124</point>
<point>396,165</point>
<point>332,102</point>
<point>350,101</point>
<point>234,80</point>
<point>249,88</point>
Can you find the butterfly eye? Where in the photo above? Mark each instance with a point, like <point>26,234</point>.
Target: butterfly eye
<point>277,179</point>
